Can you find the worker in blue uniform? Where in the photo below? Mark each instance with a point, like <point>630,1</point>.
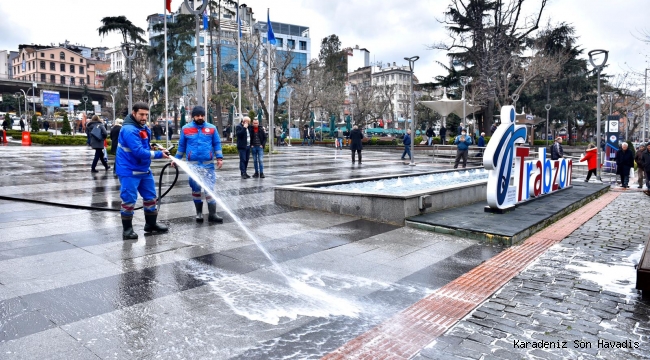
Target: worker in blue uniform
<point>201,144</point>
<point>132,162</point>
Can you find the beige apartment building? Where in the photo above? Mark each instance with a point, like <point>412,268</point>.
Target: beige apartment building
<point>55,65</point>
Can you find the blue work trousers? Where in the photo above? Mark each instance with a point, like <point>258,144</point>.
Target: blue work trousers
<point>130,186</point>
<point>208,178</point>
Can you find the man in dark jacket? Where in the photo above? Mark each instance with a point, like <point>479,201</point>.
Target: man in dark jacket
<point>624,162</point>
<point>133,162</point>
<point>22,125</point>
<point>115,134</point>
<point>638,158</point>
<point>443,135</point>
<point>556,149</point>
<point>157,131</point>
<point>97,134</point>
<point>46,125</point>
<point>355,142</point>
<point>258,141</point>
<point>645,160</point>
<point>430,134</point>
<point>407,144</point>
<point>242,131</point>
<point>305,136</point>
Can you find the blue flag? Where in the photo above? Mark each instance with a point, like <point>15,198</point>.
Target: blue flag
<point>270,35</point>
<point>205,20</point>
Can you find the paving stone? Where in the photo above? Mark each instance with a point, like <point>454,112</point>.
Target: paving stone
<point>518,311</point>
<point>483,339</point>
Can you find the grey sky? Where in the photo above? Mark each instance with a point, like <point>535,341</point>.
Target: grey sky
<point>389,29</point>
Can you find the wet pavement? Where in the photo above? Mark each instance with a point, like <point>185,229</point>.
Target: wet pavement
<point>71,288</point>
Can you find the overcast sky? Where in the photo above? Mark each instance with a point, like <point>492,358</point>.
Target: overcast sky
<point>389,29</point>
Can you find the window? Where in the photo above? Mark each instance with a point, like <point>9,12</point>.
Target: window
<point>81,81</point>
<point>71,59</point>
<point>264,40</point>
<point>392,77</point>
<point>62,67</point>
<point>81,61</point>
<point>291,44</point>
<point>303,45</point>
<point>280,42</point>
<point>52,79</point>
<point>23,58</point>
<point>29,65</point>
<point>63,80</point>
<point>51,56</point>
<point>201,40</point>
<point>52,66</point>
<point>71,81</point>
<point>72,69</point>
<point>88,78</point>
<point>81,69</point>
<point>62,55</point>
<point>43,78</point>
<point>42,64</point>
<point>42,54</point>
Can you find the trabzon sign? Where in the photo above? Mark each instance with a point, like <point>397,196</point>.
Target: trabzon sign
<point>513,179</point>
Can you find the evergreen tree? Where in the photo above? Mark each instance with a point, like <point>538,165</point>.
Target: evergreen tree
<point>66,129</point>
<point>34,123</point>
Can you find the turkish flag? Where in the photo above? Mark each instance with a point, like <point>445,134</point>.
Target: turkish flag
<point>168,5</point>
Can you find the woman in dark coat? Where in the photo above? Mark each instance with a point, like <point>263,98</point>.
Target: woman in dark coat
<point>96,138</point>
<point>115,134</point>
<point>624,162</point>
<point>355,142</point>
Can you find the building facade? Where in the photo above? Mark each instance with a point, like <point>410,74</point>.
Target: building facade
<point>395,82</point>
<point>56,65</point>
<point>4,64</point>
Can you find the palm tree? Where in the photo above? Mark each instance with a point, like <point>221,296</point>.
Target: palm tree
<point>122,25</point>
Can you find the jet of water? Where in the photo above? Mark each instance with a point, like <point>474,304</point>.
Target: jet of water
<point>417,181</point>
<point>399,182</point>
<point>380,185</point>
<point>350,308</point>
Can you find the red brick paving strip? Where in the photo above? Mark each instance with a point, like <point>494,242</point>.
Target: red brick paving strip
<point>406,333</point>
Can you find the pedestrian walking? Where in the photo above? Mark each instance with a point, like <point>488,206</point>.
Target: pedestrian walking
<point>6,122</point>
<point>407,144</point>
<point>242,131</point>
<point>430,134</point>
<point>97,133</point>
<point>356,137</point>
<point>624,162</point>
<point>590,157</point>
<point>22,125</point>
<point>305,136</point>
<point>463,141</point>
<point>443,135</point>
<point>157,131</point>
<point>638,158</point>
<point>258,141</point>
<point>115,134</point>
<point>202,144</point>
<point>46,125</point>
<point>481,144</point>
<point>312,135</point>
<point>133,163</point>
<point>645,160</point>
<point>557,152</point>
<point>339,138</point>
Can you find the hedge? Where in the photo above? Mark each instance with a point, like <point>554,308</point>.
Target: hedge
<point>54,140</point>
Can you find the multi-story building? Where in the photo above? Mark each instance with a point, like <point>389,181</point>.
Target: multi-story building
<point>395,81</point>
<point>12,56</point>
<point>4,64</point>
<point>98,53</point>
<point>116,60</point>
<point>357,58</point>
<point>49,64</point>
<point>291,40</point>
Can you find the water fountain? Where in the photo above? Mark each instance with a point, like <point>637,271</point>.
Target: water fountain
<point>390,198</point>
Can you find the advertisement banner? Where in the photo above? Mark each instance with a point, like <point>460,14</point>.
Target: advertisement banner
<point>51,98</point>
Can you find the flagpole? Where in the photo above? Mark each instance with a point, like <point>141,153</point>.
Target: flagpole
<point>166,92</point>
<point>239,58</point>
<point>268,87</point>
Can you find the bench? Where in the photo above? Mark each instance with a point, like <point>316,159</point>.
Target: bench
<point>643,271</point>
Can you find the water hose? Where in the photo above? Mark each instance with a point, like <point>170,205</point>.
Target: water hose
<point>94,208</point>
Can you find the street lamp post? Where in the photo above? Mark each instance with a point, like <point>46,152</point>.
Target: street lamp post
<point>412,61</point>
<point>148,87</point>
<point>290,90</point>
<point>25,95</point>
<point>17,95</point>
<point>610,94</point>
<point>598,68</point>
<point>113,90</point>
<point>548,108</point>
<point>234,109</point>
<point>129,50</point>
<point>197,14</point>
<point>645,102</point>
<point>464,80</point>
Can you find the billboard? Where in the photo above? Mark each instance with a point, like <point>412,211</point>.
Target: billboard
<point>51,98</point>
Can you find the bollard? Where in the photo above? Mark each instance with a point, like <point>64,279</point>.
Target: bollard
<point>27,138</point>
<point>4,136</point>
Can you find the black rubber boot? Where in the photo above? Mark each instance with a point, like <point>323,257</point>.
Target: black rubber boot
<point>152,226</point>
<point>256,175</point>
<point>262,175</point>
<point>199,211</point>
<point>212,214</point>
<point>128,233</point>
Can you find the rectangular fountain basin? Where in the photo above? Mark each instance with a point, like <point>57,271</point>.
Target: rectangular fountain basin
<point>388,208</point>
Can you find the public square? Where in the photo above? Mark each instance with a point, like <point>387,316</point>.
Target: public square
<point>72,288</point>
